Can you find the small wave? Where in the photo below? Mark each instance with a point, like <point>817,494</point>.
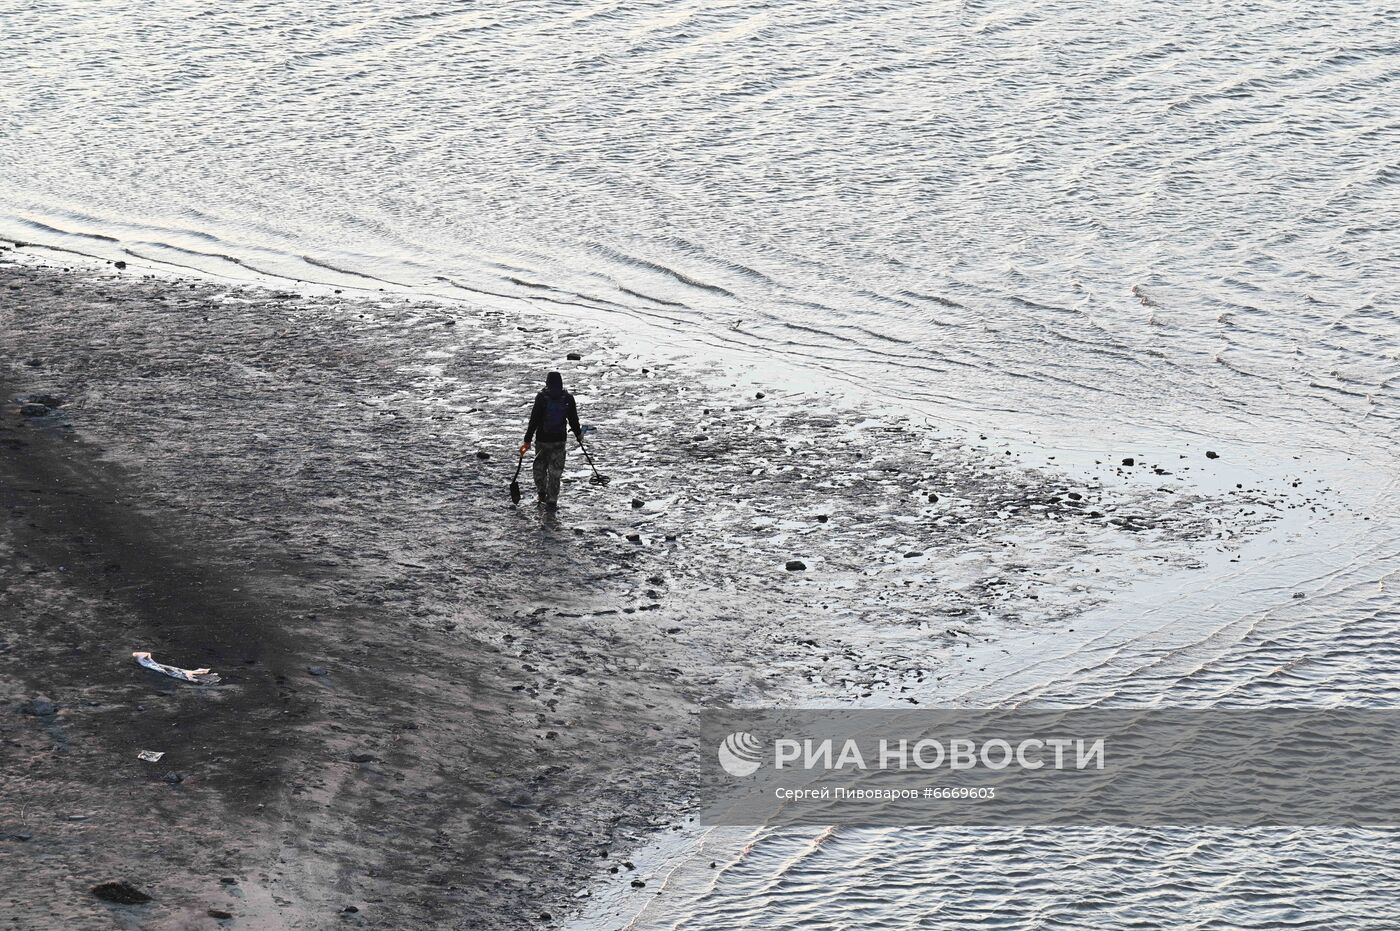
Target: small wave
<point>46,228</point>
<point>684,279</point>
<point>655,300</point>
<point>318,263</point>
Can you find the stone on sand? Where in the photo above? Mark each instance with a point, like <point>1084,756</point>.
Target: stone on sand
<point>121,892</point>
<point>39,707</point>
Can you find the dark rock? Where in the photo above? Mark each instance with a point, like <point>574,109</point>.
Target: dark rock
<point>1096,513</point>
<point>34,410</point>
<point>656,580</point>
<point>912,554</point>
<point>121,892</point>
<point>219,914</point>
<point>1127,460</point>
<point>822,518</point>
<point>174,778</point>
<point>482,454</point>
<point>318,670</point>
<point>228,880</point>
<point>932,498</point>
<point>759,395</point>
<point>634,538</point>
<point>34,363</point>
<point>637,502</point>
<point>574,356</point>
<point>638,884</point>
<point>1212,454</point>
<point>119,263</point>
<point>546,916</point>
<point>18,837</point>
<point>39,707</point>
<point>795,565</point>
<point>1075,496</point>
<point>48,400</point>
<point>349,909</point>
<point>361,757</point>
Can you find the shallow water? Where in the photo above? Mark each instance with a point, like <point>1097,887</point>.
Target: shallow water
<point>1183,220</point>
<point>1103,229</point>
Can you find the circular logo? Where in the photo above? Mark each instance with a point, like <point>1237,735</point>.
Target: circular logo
<point>740,754</point>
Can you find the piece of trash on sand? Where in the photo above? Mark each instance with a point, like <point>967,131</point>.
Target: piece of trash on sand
<point>197,676</point>
<point>150,756</point>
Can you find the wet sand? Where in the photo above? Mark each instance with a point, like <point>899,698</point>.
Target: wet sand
<point>431,698</point>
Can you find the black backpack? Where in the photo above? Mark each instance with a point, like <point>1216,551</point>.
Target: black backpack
<point>556,414</point>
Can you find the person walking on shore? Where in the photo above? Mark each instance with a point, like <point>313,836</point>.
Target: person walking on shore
<point>553,414</point>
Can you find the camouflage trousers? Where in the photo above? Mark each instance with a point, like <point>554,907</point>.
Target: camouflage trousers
<point>549,470</point>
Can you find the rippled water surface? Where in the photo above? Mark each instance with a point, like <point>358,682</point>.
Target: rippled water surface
<point>1097,226</point>
<point>1061,201</point>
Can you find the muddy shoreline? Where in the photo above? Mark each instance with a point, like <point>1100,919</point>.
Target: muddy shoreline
<point>431,697</point>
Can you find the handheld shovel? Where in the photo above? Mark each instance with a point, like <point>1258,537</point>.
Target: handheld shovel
<point>515,481</point>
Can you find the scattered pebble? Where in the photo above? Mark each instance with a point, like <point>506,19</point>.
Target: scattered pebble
<point>121,892</point>
<point>39,707</point>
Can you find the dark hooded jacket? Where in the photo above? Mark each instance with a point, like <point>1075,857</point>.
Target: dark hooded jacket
<point>553,408</point>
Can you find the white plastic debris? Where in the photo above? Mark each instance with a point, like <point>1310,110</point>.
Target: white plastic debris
<point>197,676</point>
<point>150,756</point>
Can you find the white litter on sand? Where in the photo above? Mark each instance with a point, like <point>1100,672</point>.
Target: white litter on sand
<point>197,676</point>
